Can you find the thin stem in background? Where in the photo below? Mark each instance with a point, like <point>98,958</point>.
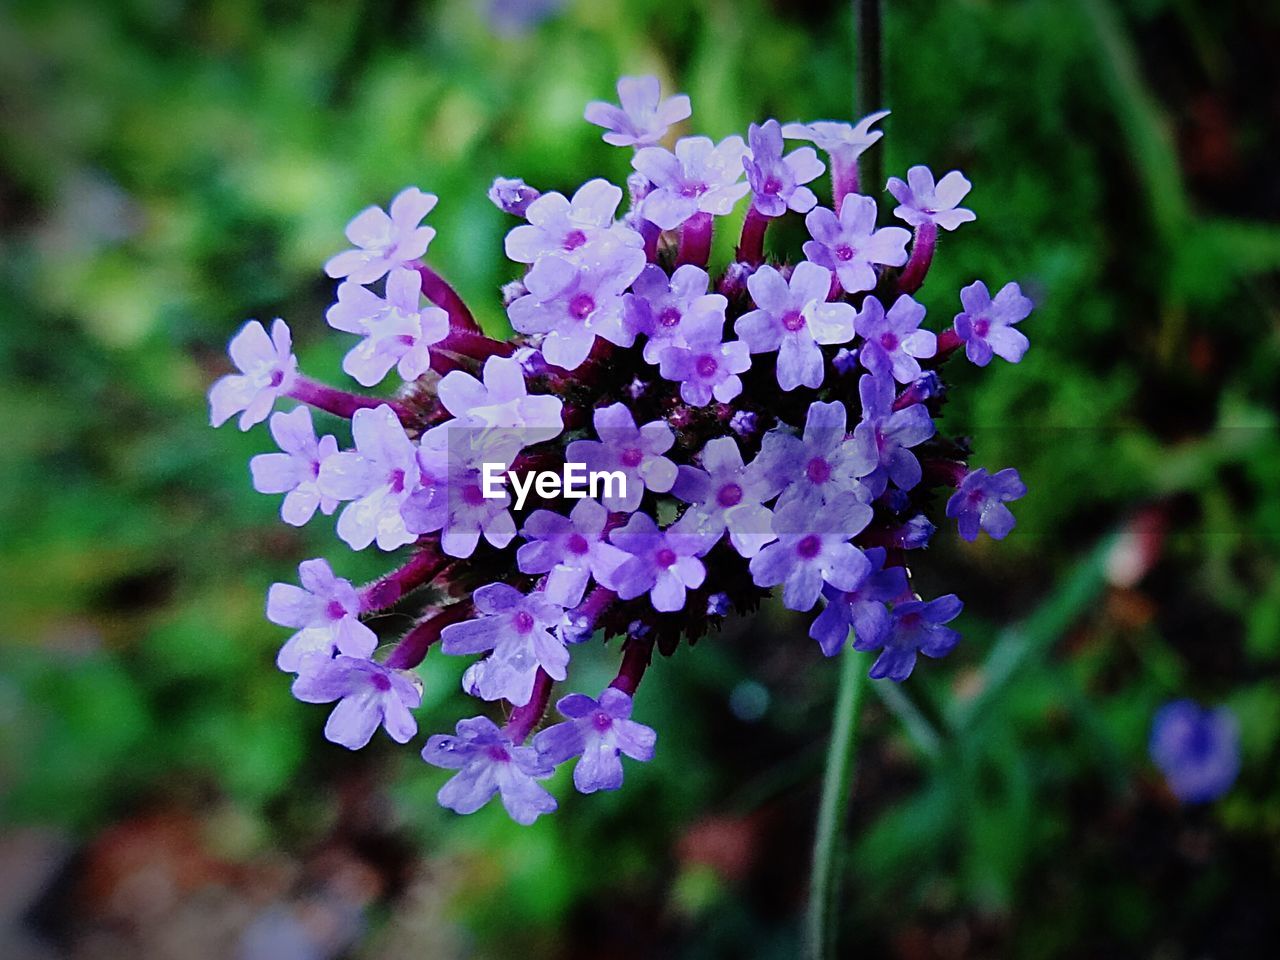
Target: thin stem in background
<point>870,95</point>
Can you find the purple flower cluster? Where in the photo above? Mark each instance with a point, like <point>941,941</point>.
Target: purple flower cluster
<point>767,424</point>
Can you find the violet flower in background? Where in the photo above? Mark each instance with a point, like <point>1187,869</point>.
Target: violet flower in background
<point>843,143</point>
<point>850,246</point>
<point>489,762</point>
<point>884,436</point>
<point>369,695</point>
<point>598,733</point>
<point>325,611</point>
<point>979,502</point>
<point>1197,749</point>
<point>916,627</point>
<point>398,331</point>
<point>267,368</point>
<point>385,240</point>
<point>862,609</point>
<point>643,118</point>
<point>295,471</point>
<point>987,326</point>
<point>894,341</point>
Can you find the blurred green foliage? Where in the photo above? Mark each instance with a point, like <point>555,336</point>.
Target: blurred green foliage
<point>168,169</point>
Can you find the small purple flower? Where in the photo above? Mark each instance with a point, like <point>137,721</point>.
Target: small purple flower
<point>894,341</point>
<point>512,195</point>
<point>644,116</point>
<point>296,470</point>
<point>502,403</point>
<point>777,181</point>
<point>598,732</point>
<point>570,550</point>
<point>635,452</point>
<point>916,627</point>
<point>487,763</point>
<point>920,201</point>
<point>848,245</point>
<point>385,241</point>
<point>861,609</point>
<point>369,695</point>
<point>398,331</point>
<point>804,558</point>
<point>573,305</point>
<point>378,476</point>
<point>818,467</point>
<point>1197,749</point>
<point>663,563</point>
<point>979,502</point>
<point>267,368</point>
<point>700,177</point>
<point>658,307</point>
<point>986,325</point>
<point>325,611</point>
<point>703,365</point>
<point>884,436</point>
<point>793,318</point>
<point>571,228</point>
<point>451,496</point>
<point>518,629</point>
<point>726,495</point>
<point>842,142</point>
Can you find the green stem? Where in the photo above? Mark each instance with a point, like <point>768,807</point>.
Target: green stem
<point>837,787</point>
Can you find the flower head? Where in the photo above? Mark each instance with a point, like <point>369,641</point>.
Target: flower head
<point>501,403</point>
<point>658,307</point>
<point>920,201</point>
<point>369,695</point>
<point>699,177</point>
<point>573,229</point>
<point>727,495</point>
<point>979,502</point>
<point>850,245</point>
<point>703,365</point>
<point>644,116</point>
<point>987,326</point>
<point>1197,749</point>
<point>821,465</point>
<point>385,240</point>
<point>398,330</point>
<point>295,471</point>
<point>325,611</point>
<point>598,732</point>
<point>885,435</point>
<point>777,182</point>
<point>488,762</point>
<point>267,368</point>
<point>843,142</point>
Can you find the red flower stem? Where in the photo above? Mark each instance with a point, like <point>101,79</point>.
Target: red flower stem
<point>636,655</point>
<point>524,719</point>
<point>751,245</point>
<point>913,274</point>
<point>422,567</point>
<point>475,345</point>
<point>948,342</point>
<point>413,646</point>
<point>342,403</point>
<point>844,181</point>
<point>695,241</point>
<point>436,289</point>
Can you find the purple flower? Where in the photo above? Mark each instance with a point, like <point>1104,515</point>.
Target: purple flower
<point>979,502</point>
<point>894,340</point>
<point>777,181</point>
<point>267,368</point>
<point>793,318</point>
<point>385,241</point>
<point>598,732</point>
<point>369,695</point>
<point>726,495</point>
<point>849,244</point>
<point>663,563</point>
<point>573,305</point>
<point>884,435</point>
<point>920,201</point>
<point>325,611</point>
<point>571,228</point>
<point>1197,749</point>
<point>451,496</point>
<point>644,116</point>
<point>569,550</point>
<point>916,627</point>
<point>512,195</point>
<point>820,466</point>
<point>986,325</point>
<point>295,472</point>
<point>398,331</point>
<point>703,365</point>
<point>700,177</point>
<point>502,403</point>
<point>804,558</point>
<point>487,763</point>
<point>635,452</point>
<point>861,609</point>
<point>517,628</point>
<point>659,307</point>
<point>842,142</point>
<point>378,476</point>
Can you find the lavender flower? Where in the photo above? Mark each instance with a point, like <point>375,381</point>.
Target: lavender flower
<point>570,550</point>
<point>777,182</point>
<point>267,368</point>
<point>703,365</point>
<point>488,762</point>
<point>635,452</point>
<point>295,471</point>
<point>849,245</point>
<point>384,241</point>
<point>920,201</point>
<point>894,341</point>
<point>502,403</point>
<point>517,628</point>
<point>325,611</point>
<point>884,435</point>
<point>598,732</point>
<point>844,143</point>
<point>378,476</point>
<point>369,695</point>
<point>512,195</point>
<point>862,609</point>
<point>803,559</point>
<point>819,466</point>
<point>450,499</point>
<point>1197,749</point>
<point>398,331</point>
<point>571,228</point>
<point>700,177</point>
<point>793,318</point>
<point>663,563</point>
<point>979,502</point>
<point>658,306</point>
<point>726,495</point>
<point>916,627</point>
<point>986,325</point>
<point>644,116</point>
